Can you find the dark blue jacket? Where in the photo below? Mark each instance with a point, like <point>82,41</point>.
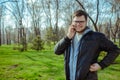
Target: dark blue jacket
<point>90,47</point>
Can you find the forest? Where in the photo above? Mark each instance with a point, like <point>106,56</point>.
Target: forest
<point>39,22</point>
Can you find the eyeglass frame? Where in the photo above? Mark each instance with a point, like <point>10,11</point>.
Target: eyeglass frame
<point>79,22</point>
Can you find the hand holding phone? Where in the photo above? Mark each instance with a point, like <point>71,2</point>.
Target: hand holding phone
<point>71,31</point>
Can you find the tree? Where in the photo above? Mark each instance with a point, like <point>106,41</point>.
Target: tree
<point>61,32</point>
<point>46,5</point>
<point>2,13</point>
<point>37,43</point>
<point>0,24</point>
<point>115,30</point>
<point>115,12</point>
<point>8,31</point>
<point>17,10</point>
<point>49,36</point>
<point>118,26</point>
<point>34,9</point>
<point>56,19</point>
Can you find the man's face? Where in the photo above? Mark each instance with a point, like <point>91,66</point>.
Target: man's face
<point>79,23</point>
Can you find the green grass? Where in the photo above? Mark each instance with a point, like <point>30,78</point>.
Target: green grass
<point>42,65</point>
<point>30,65</point>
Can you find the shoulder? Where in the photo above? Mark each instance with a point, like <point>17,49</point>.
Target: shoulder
<point>98,34</point>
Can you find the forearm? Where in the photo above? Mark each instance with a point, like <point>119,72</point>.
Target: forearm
<point>62,45</point>
<point>112,51</point>
<point>109,58</point>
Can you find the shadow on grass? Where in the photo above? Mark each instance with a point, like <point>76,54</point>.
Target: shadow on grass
<point>13,66</point>
<point>30,58</point>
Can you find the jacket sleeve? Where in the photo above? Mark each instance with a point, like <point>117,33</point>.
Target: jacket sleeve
<point>111,49</point>
<point>62,45</point>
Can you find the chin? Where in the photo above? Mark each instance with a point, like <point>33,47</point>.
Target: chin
<point>80,31</point>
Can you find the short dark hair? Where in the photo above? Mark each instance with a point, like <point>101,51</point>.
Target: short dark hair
<point>80,13</point>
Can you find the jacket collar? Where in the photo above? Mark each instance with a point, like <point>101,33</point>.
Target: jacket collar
<point>87,29</point>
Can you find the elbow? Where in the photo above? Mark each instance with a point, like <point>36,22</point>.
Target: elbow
<point>57,52</point>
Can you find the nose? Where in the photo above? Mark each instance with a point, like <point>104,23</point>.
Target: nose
<point>78,24</point>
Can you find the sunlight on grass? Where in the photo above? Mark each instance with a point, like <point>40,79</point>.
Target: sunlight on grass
<point>30,65</point>
<point>41,65</point>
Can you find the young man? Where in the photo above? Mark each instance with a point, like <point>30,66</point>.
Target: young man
<point>81,48</point>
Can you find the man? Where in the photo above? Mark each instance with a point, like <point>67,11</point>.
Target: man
<point>81,48</point>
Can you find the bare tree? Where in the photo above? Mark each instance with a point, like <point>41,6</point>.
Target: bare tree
<point>17,9</point>
<point>115,12</point>
<point>56,24</point>
<point>8,31</point>
<point>35,12</point>
<point>50,7</point>
<point>7,1</point>
<point>2,14</point>
<point>47,10</point>
<point>115,30</point>
<point>34,9</point>
<point>118,27</point>
<point>0,24</point>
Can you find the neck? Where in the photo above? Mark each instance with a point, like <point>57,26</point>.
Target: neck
<point>79,33</point>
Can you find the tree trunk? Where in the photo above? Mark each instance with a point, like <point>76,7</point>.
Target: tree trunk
<point>119,42</point>
<point>114,39</point>
<point>119,37</point>
<point>56,25</point>
<point>0,33</point>
<point>23,39</point>
<point>3,33</point>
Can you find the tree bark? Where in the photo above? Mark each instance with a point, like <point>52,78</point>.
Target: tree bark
<point>0,32</point>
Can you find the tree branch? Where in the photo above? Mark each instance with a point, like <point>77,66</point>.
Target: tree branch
<point>95,26</point>
<point>80,5</point>
<point>7,1</point>
<point>97,12</point>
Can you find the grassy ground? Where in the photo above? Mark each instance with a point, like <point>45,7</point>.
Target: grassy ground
<point>42,65</point>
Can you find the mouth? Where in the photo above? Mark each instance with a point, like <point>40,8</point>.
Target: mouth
<point>78,28</point>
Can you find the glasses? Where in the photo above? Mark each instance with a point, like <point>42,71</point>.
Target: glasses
<point>79,22</point>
